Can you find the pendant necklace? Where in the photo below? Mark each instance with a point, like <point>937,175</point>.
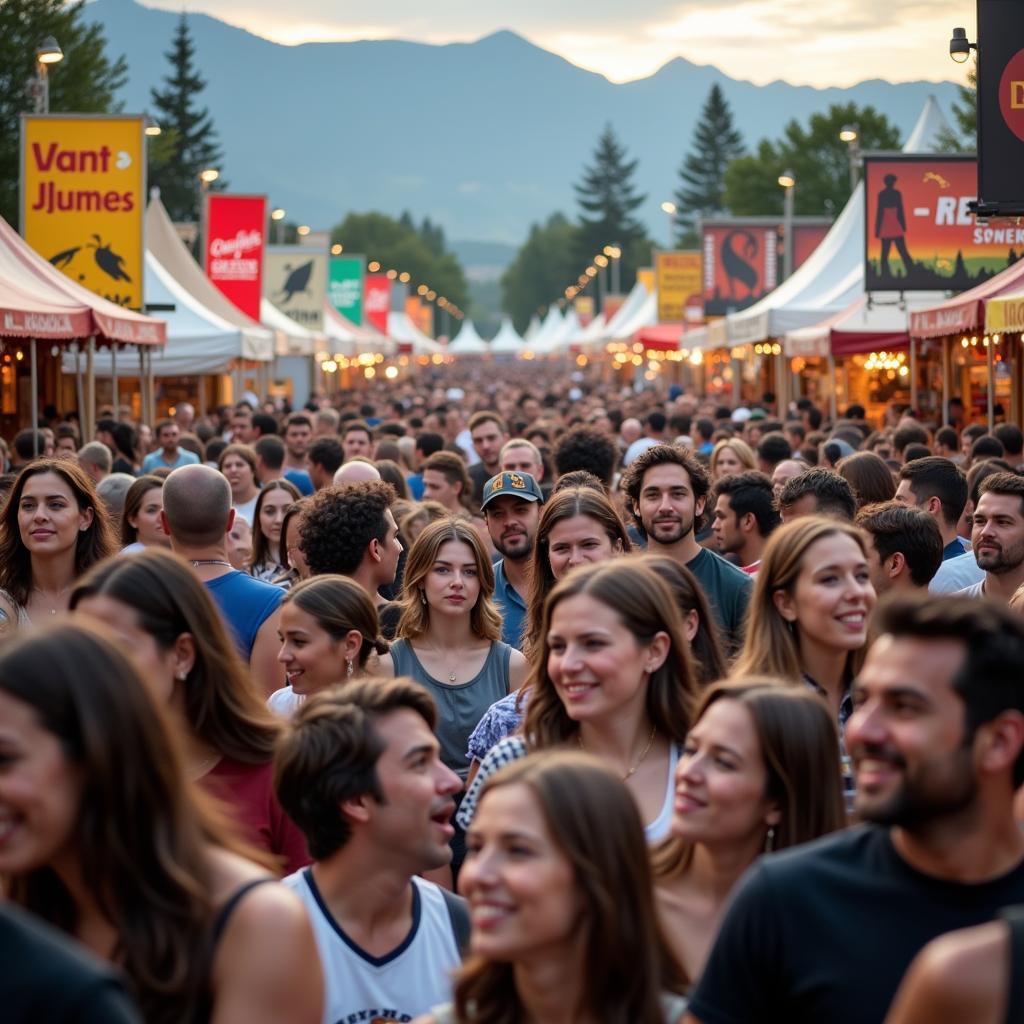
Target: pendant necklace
<point>639,761</point>
<point>49,600</point>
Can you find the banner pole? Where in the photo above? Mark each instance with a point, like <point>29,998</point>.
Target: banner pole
<point>33,362</point>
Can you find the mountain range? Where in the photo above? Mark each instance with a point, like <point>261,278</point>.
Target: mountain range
<point>483,137</point>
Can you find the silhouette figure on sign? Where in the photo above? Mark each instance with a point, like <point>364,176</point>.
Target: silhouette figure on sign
<point>62,259</point>
<point>891,226</point>
<point>739,264</point>
<point>108,261</point>
<point>296,281</point>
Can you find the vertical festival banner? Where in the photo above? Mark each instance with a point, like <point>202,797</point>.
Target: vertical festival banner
<point>345,287</point>
<point>678,281</point>
<point>83,187</point>
<point>235,227</point>
<point>295,280</point>
<point>377,300</point>
<point>920,234</point>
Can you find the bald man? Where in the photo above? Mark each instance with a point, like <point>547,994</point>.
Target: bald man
<point>197,516</point>
<point>356,471</point>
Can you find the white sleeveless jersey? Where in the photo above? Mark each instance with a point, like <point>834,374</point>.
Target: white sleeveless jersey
<point>408,981</point>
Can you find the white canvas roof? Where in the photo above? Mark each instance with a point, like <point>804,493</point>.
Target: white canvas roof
<point>548,330</point>
<point>618,326</point>
<point>467,342</point>
<point>290,337</point>
<point>560,339</point>
<point>507,341</point>
<point>532,328</point>
<point>405,332</point>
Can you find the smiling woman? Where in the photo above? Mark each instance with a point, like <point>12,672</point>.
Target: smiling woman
<point>53,528</point>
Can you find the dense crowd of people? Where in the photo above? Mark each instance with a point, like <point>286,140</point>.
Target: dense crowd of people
<point>464,700</point>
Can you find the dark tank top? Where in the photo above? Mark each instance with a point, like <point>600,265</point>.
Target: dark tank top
<point>1014,918</point>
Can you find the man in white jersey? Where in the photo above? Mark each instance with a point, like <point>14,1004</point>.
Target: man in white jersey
<point>359,773</point>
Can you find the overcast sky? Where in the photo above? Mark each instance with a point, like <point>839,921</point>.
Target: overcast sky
<point>815,42</point>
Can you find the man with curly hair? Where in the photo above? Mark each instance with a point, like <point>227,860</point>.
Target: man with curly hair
<point>586,448</point>
<point>667,489</point>
<point>352,531</point>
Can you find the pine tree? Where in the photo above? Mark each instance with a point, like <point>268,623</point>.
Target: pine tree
<point>716,143</point>
<point>192,144</point>
<point>965,113</point>
<point>608,201</point>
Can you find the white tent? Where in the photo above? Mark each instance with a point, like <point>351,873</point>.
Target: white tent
<point>559,340</point>
<point>832,277</point>
<point>618,326</point>
<point>349,339</point>
<point>408,335</point>
<point>198,341</point>
<point>507,341</point>
<point>591,337</point>
<point>548,329</point>
<point>532,329</point>
<point>291,338</point>
<point>468,342</point>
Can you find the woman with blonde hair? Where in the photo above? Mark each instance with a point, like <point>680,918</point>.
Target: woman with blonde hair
<point>582,941</point>
<point>612,675</point>
<point>759,772</point>
<point>329,631</point>
<point>807,623</point>
<point>730,457</point>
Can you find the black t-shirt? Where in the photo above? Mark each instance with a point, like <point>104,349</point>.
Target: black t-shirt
<point>727,590</point>
<point>48,978</point>
<point>825,932</point>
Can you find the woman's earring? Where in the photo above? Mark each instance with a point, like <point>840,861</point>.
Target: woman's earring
<point>181,676</point>
<point>348,667</point>
<point>423,597</point>
<point>769,839</point>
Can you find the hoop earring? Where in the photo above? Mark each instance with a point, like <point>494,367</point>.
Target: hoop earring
<point>348,668</point>
<point>769,839</point>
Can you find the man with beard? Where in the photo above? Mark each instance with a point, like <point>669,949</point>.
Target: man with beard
<point>826,931</point>
<point>667,489</point>
<point>997,537</point>
<point>511,509</point>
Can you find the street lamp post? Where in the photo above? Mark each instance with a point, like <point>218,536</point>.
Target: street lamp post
<point>47,52</point>
<point>670,209</point>
<point>277,216</point>
<point>850,134</point>
<point>206,177</point>
<point>787,179</point>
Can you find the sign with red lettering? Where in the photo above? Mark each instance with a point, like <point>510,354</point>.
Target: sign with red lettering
<point>377,300</point>
<point>920,234</point>
<point>83,182</point>
<point>235,236</point>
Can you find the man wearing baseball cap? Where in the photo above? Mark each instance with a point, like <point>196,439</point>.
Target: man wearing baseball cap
<point>511,508</point>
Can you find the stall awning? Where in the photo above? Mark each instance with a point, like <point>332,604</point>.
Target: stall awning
<point>1005,314</point>
<point>661,337</point>
<point>966,311</point>
<point>38,301</point>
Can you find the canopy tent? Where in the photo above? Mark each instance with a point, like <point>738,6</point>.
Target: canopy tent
<point>1005,313</point>
<point>409,337</point>
<point>548,330</point>
<point>661,337</point>
<point>38,301</point>
<point>507,341</point>
<point>559,340</point>
<point>468,342</point>
<point>619,325</point>
<point>290,338</point>
<point>591,337</point>
<point>256,342</point>
<point>833,276</point>
<point>198,341</point>
<point>967,311</point>
<point>532,329</point>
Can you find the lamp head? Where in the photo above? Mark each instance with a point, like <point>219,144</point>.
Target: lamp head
<point>277,214</point>
<point>302,230</point>
<point>959,47</point>
<point>848,133</point>
<point>49,51</point>
<point>150,127</point>
<point>787,179</point>
<point>669,207</point>
<point>209,174</point>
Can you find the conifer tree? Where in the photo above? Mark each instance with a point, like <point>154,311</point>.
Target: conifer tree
<point>192,142</point>
<point>716,143</point>
<point>608,202</point>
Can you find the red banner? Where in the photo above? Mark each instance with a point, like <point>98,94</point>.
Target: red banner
<point>235,238</point>
<point>377,300</point>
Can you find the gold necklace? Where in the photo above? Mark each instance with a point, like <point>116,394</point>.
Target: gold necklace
<point>639,761</point>
<point>49,600</point>
<point>451,675</point>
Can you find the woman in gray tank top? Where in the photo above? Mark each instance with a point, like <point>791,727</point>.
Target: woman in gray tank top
<point>449,634</point>
<point>558,881</point>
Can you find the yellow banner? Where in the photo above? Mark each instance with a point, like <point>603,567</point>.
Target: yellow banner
<point>1005,314</point>
<point>678,278</point>
<point>645,275</point>
<point>83,200</point>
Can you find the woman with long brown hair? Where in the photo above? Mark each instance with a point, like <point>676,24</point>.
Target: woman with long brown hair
<point>238,464</point>
<point>869,476</point>
<point>53,528</point>
<point>276,497</point>
<point>613,676</point>
<point>106,838</point>
<point>578,526</point>
<point>759,772</point>
<point>807,623</point>
<point>141,523</point>
<point>564,922</point>
<point>168,623</point>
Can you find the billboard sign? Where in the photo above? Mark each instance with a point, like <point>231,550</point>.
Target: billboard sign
<point>235,237</point>
<point>678,282</point>
<point>83,188</point>
<point>377,300</point>
<point>345,287</point>
<point>920,234</point>
<point>295,280</point>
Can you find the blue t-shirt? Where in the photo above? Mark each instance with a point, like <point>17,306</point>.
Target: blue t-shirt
<point>415,485</point>
<point>511,606</point>
<point>245,603</point>
<point>156,460</point>
<point>955,548</point>
<point>301,479</point>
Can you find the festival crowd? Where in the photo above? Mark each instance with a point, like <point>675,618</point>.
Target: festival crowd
<point>486,699</point>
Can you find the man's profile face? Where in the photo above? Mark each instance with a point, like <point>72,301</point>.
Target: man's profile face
<point>997,534</point>
<point>725,526</point>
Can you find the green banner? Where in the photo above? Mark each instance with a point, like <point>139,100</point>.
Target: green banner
<point>345,287</point>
